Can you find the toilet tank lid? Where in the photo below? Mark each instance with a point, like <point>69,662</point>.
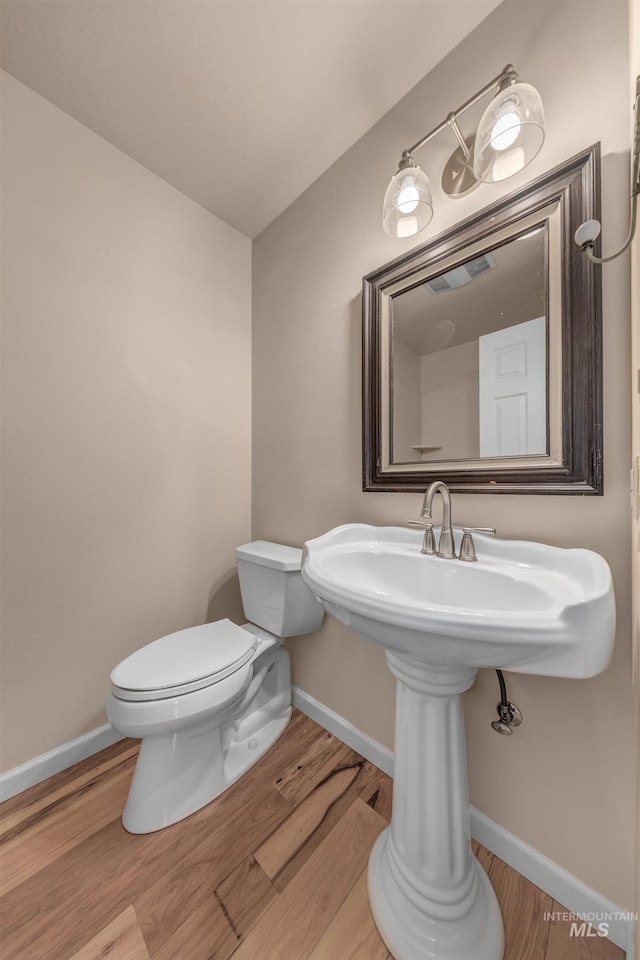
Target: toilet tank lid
<point>270,555</point>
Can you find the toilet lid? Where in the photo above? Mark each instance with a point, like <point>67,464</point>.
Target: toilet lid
<point>180,662</point>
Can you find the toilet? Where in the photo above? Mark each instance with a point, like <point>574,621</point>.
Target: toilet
<point>210,700</point>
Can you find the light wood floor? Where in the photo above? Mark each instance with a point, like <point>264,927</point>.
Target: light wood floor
<point>275,869</point>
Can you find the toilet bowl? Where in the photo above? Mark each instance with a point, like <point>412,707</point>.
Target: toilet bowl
<point>210,700</point>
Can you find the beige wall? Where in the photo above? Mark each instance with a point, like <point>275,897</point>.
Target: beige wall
<point>450,383</point>
<point>126,417</point>
<point>634,58</point>
<point>407,416</point>
<point>565,782</point>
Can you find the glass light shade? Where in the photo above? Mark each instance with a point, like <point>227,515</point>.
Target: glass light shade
<point>510,134</point>
<point>408,204</point>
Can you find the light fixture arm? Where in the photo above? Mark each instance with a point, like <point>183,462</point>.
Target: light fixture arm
<point>504,78</point>
<point>453,123</point>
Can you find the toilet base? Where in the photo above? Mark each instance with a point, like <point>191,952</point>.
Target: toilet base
<point>179,773</point>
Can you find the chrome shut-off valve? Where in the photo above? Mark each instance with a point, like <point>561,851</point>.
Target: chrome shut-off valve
<point>509,716</point>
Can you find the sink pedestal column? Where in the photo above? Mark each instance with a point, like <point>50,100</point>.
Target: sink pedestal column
<point>430,897</point>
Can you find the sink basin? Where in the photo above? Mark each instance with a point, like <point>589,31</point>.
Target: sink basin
<point>525,607</point>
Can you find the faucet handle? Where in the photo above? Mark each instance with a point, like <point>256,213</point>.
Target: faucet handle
<point>429,542</point>
<point>467,547</point>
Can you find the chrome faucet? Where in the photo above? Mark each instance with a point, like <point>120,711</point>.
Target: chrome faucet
<point>446,545</point>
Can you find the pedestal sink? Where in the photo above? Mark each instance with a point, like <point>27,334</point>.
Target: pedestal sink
<point>524,607</point>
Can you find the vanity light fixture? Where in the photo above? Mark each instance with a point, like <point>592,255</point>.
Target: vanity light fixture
<point>589,231</point>
<point>509,136</point>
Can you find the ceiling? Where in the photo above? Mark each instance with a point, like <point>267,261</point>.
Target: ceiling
<point>240,104</point>
<point>513,290</point>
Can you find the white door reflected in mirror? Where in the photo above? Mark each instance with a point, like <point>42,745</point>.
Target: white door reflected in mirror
<point>512,391</point>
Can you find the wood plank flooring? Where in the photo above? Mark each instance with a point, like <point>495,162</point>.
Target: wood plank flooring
<point>274,869</point>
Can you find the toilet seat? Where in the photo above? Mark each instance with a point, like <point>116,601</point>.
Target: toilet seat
<point>183,662</point>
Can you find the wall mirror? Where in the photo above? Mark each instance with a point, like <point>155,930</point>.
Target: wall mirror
<point>482,350</point>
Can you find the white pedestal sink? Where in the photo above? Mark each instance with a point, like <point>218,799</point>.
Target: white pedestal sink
<point>524,607</point>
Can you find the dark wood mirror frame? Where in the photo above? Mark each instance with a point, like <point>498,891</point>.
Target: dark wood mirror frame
<point>575,186</point>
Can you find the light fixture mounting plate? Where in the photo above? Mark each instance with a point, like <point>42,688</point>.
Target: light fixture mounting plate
<point>457,177</point>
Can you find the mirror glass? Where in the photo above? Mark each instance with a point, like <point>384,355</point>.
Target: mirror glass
<point>469,358</point>
<point>482,349</point>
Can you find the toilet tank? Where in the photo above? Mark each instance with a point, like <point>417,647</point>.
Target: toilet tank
<point>274,595</point>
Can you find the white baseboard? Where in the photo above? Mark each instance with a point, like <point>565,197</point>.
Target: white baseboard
<point>576,897</point>
<point>366,746</point>
<point>41,768</point>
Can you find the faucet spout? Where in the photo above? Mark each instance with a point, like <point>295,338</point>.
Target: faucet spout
<point>446,544</point>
